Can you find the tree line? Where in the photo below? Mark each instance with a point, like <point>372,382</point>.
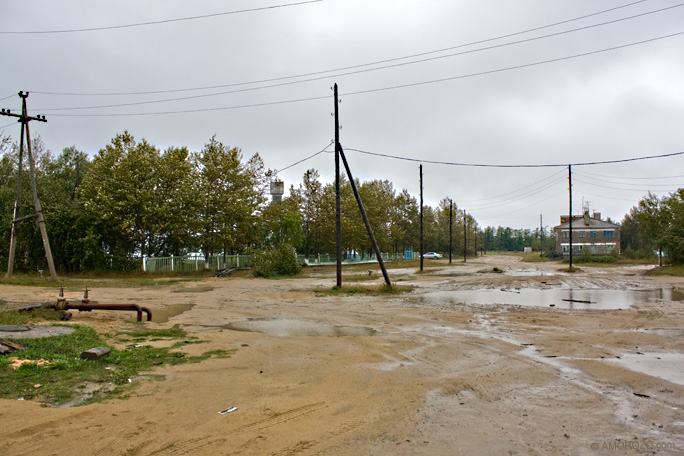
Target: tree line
<point>132,199</point>
<point>655,224</point>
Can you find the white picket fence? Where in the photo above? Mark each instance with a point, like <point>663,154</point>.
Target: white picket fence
<point>216,262</point>
<point>195,263</point>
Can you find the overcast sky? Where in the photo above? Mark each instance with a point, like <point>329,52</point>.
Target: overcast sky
<point>498,102</point>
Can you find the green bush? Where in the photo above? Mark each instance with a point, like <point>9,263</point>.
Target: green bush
<point>276,261</point>
<point>588,258</point>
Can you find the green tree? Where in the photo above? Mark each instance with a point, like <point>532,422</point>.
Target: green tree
<point>404,222</point>
<point>672,239</point>
<point>653,219</point>
<point>179,203</point>
<point>120,199</point>
<point>309,196</point>
<point>64,218</point>
<point>281,223</point>
<point>230,194</point>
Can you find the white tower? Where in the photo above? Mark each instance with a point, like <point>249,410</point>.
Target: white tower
<point>277,191</point>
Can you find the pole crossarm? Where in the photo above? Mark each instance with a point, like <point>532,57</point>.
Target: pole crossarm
<point>23,117</point>
<point>24,218</point>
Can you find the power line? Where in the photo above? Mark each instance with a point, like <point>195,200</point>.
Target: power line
<point>589,176</point>
<point>633,178</point>
<point>517,67</point>
<point>307,158</point>
<point>433,162</point>
<point>607,197</point>
<point>593,184</point>
<point>472,43</point>
<point>518,209</point>
<point>281,84</point>
<point>381,89</point>
<point>562,172</point>
<point>513,199</point>
<point>186,111</point>
<point>166,21</point>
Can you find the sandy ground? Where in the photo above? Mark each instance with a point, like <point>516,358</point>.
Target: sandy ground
<point>421,373</point>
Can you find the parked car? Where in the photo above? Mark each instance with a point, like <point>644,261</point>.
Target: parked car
<point>432,256</point>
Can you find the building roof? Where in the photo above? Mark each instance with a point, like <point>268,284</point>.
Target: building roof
<point>584,222</point>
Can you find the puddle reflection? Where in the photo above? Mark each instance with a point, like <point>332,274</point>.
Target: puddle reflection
<point>558,298</point>
<point>298,328</point>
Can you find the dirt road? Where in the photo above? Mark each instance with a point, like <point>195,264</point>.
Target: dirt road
<point>422,373</point>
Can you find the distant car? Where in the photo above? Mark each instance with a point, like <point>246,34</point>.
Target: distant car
<point>432,256</point>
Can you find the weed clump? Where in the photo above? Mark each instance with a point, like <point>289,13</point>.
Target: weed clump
<point>276,261</point>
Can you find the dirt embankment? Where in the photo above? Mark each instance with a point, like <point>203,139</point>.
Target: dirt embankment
<point>426,372</point>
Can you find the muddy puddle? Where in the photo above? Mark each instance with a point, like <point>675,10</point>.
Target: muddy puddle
<point>668,366</point>
<point>162,314</point>
<point>33,332</point>
<point>528,273</point>
<point>667,332</point>
<point>299,328</point>
<point>584,299</point>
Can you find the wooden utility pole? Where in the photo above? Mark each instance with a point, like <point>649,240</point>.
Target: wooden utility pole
<point>570,211</point>
<point>338,216</point>
<point>24,118</point>
<point>339,152</point>
<point>465,236</point>
<point>541,233</point>
<point>421,216</point>
<point>475,240</point>
<point>451,226</point>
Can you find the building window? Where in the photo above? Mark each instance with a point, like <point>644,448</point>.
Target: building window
<point>582,234</point>
<point>608,234</point>
<point>565,235</point>
<point>593,234</point>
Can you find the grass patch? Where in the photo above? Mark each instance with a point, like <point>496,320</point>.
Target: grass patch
<point>106,280</point>
<point>672,270</point>
<point>535,258</point>
<point>605,261</point>
<point>27,317</point>
<point>201,289</point>
<point>593,259</point>
<point>373,290</point>
<point>360,277</point>
<point>65,378</point>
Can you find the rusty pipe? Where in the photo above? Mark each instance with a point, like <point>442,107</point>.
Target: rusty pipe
<point>87,307</point>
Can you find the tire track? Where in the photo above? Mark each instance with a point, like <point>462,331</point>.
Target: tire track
<point>282,417</point>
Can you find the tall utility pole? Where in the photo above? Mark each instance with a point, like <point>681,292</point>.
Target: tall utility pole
<point>24,118</point>
<point>570,210</point>
<point>541,233</point>
<point>465,235</point>
<point>338,216</point>
<point>421,216</point>
<point>475,231</point>
<point>339,153</point>
<point>451,226</point>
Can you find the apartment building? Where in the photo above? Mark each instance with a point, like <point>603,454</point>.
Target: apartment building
<point>589,233</point>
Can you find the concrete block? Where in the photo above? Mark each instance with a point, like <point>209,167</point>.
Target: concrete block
<point>96,353</point>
